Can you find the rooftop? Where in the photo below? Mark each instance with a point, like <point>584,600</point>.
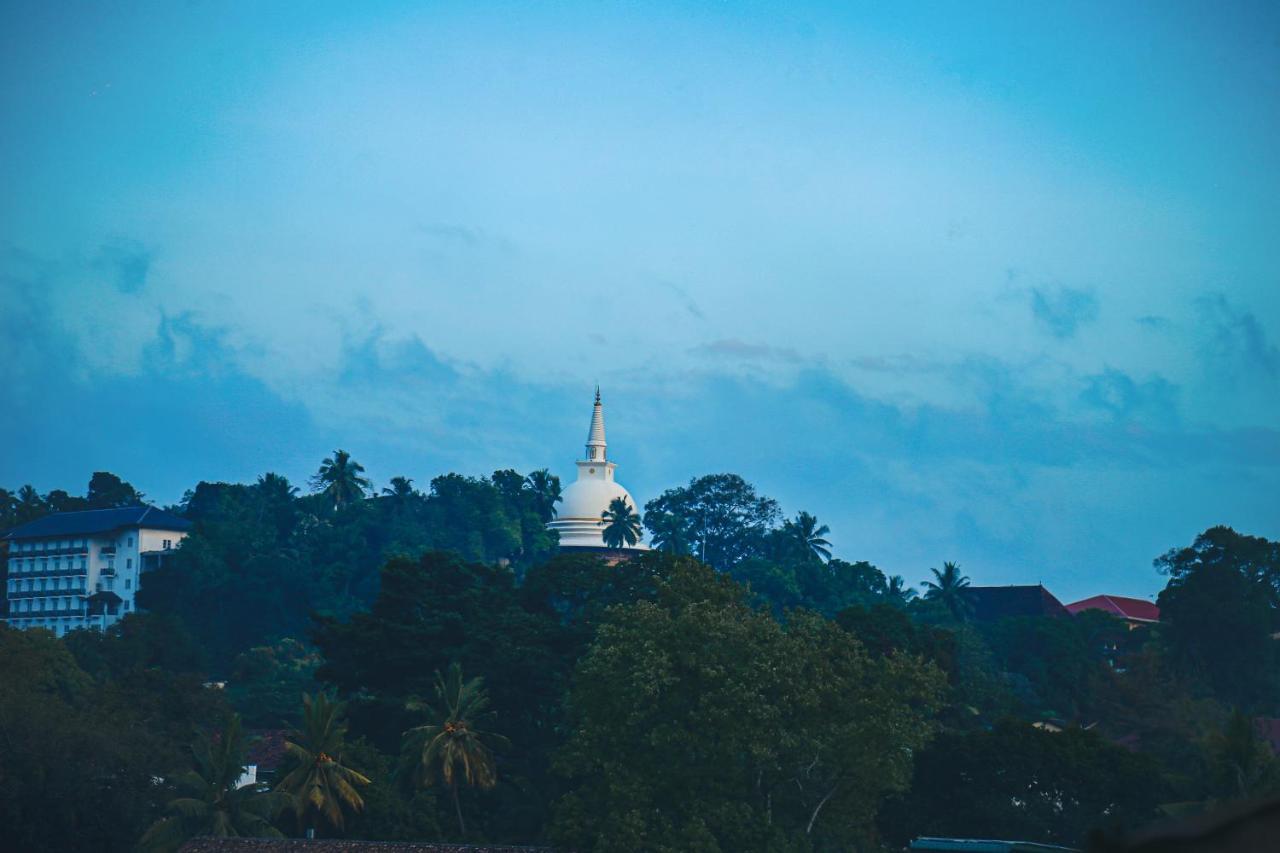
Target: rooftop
<point>999,602</point>
<point>92,521</point>
<point>1131,609</point>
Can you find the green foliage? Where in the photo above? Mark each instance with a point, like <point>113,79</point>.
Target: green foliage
<point>341,479</point>
<point>321,787</point>
<point>725,519</point>
<point>212,802</point>
<point>1222,606</point>
<point>451,747</point>
<point>1020,782</point>
<point>621,524</point>
<point>702,724</point>
<point>266,682</point>
<point>950,588</point>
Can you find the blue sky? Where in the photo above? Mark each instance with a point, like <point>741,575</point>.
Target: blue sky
<point>988,283</point>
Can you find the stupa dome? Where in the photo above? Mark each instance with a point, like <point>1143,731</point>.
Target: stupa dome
<point>582,501</point>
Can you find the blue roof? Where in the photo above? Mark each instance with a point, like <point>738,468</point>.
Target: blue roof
<point>93,521</point>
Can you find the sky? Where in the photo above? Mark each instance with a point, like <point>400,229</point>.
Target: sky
<point>990,283</point>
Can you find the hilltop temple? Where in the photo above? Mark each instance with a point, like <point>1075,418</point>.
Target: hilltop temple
<point>578,517</point>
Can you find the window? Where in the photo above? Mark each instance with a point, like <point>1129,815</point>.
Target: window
<point>128,583</point>
<point>57,564</point>
<point>128,562</point>
<point>44,564</point>
<point>166,544</point>
<point>126,605</point>
<point>130,542</point>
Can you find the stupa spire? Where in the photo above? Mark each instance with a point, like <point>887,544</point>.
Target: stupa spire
<point>595,438</point>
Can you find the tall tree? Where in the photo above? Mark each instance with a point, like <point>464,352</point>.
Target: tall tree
<point>950,588</point>
<point>29,505</point>
<point>321,786</point>
<point>808,535</point>
<point>1221,610</point>
<point>106,490</point>
<point>670,533</point>
<point>727,520</point>
<point>546,491</point>
<point>897,592</point>
<point>214,803</point>
<point>621,524</point>
<point>451,747</point>
<point>342,479</point>
<point>401,489</point>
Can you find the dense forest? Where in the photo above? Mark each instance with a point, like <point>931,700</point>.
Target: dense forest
<point>445,674</point>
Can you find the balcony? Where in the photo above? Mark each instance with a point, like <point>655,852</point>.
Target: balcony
<point>108,550</point>
<point>108,571</point>
<point>70,551</point>
<point>45,593</point>
<point>47,573</point>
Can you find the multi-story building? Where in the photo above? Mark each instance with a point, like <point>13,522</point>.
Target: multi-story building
<point>81,569</point>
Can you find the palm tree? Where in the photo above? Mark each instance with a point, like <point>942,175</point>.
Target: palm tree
<point>807,534</point>
<point>213,803</point>
<point>341,478</point>
<point>670,533</point>
<point>401,489</point>
<point>449,747</point>
<point>30,505</point>
<point>951,588</point>
<point>276,488</point>
<point>319,783</point>
<point>621,524</point>
<point>897,591</point>
<point>546,490</point>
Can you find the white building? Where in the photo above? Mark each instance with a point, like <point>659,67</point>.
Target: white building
<point>75,570</point>
<point>582,502</point>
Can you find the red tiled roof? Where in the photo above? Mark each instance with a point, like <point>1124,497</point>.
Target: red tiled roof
<point>1134,609</point>
<point>1268,729</point>
<point>267,751</point>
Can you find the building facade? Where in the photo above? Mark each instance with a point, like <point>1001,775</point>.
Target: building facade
<point>73,570</point>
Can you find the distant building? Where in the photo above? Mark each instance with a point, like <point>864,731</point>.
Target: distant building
<point>75,570</point>
<point>991,603</point>
<point>577,519</point>
<point>1133,611</point>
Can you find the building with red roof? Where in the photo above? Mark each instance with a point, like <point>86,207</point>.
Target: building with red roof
<point>1134,611</point>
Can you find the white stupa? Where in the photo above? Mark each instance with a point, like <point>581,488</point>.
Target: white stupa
<point>578,516</point>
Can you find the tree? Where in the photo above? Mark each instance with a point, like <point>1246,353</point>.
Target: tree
<point>106,490</point>
<point>698,723</point>
<point>807,535</point>
<point>670,533</point>
<point>401,489</point>
<point>317,781</point>
<point>29,505</point>
<point>451,747</point>
<point>341,478</point>
<point>1221,609</point>
<point>951,589</point>
<point>726,520</point>
<point>621,524</point>
<point>1017,781</point>
<point>214,803</point>
<point>897,592</point>
<point>545,487</point>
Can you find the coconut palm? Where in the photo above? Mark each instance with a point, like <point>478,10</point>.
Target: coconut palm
<point>807,535</point>
<point>30,505</point>
<point>670,533</point>
<point>621,524</point>
<point>276,488</point>
<point>951,588</point>
<point>320,785</point>
<point>897,591</point>
<point>401,489</point>
<point>341,478</point>
<point>450,747</point>
<point>213,803</point>
<point>546,490</point>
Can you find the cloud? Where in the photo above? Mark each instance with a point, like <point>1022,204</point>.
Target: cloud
<point>1115,392</point>
<point>1234,342</point>
<point>1154,322</point>
<point>732,348</point>
<point>1062,311</point>
<point>127,261</point>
